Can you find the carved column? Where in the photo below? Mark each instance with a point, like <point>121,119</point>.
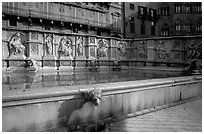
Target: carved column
<point>34,46</point>
<point>113,51</point>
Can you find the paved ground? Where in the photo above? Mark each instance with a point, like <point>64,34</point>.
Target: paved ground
<point>186,117</point>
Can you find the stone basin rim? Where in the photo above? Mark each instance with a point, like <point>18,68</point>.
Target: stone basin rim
<point>106,88</point>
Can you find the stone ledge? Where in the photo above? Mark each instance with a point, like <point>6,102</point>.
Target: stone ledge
<point>60,93</point>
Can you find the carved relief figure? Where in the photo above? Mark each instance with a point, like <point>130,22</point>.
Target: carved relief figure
<point>195,50</point>
<point>141,50</point>
<point>65,47</point>
<point>92,40</point>
<point>162,54</point>
<point>102,48</point>
<point>79,44</point>
<point>49,43</point>
<point>16,45</point>
<point>122,48</point>
<point>92,51</point>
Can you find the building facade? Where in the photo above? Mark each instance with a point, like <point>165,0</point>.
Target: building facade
<point>50,31</point>
<point>95,18</point>
<point>149,19</point>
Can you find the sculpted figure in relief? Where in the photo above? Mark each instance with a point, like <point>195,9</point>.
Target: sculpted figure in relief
<point>122,48</point>
<point>48,42</point>
<point>103,48</point>
<point>16,45</point>
<point>162,54</point>
<point>79,44</point>
<point>65,47</point>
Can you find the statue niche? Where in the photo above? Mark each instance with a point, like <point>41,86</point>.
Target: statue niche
<point>16,46</point>
<point>49,44</point>
<point>122,49</point>
<point>65,49</point>
<point>102,48</point>
<point>79,44</point>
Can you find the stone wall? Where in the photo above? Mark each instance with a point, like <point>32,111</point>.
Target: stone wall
<point>75,50</point>
<point>43,110</point>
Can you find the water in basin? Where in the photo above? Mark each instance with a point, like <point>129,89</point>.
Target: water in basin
<point>40,80</point>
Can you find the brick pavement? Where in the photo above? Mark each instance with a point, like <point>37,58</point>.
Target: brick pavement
<point>186,117</point>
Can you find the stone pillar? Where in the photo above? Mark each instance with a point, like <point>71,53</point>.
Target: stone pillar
<point>151,52</point>
<point>5,50</point>
<point>34,46</point>
<point>113,51</point>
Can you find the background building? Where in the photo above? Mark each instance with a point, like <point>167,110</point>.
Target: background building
<point>147,19</point>
<point>95,18</point>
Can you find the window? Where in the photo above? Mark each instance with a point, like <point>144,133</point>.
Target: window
<point>37,4</point>
<point>152,28</point>
<point>131,19</point>
<point>177,7</point>
<point>61,7</point>
<point>132,27</point>
<point>164,11</point>
<point>187,7</point>
<point>143,29</point>
<point>132,6</point>
<point>165,30</point>
<point>198,7</point>
<point>178,26</point>
<point>75,30</point>
<point>99,32</point>
<point>187,27</point>
<point>142,10</point>
<point>152,13</point>
<point>199,27</point>
<point>47,27</point>
<point>13,22</point>
<point>132,24</point>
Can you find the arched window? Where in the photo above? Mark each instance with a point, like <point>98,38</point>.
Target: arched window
<point>187,7</point>
<point>198,7</point>
<point>165,10</point>
<point>187,26</point>
<point>165,30</point>
<point>177,7</point>
<point>198,26</point>
<point>178,26</point>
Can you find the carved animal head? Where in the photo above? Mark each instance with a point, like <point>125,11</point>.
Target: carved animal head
<point>93,95</point>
